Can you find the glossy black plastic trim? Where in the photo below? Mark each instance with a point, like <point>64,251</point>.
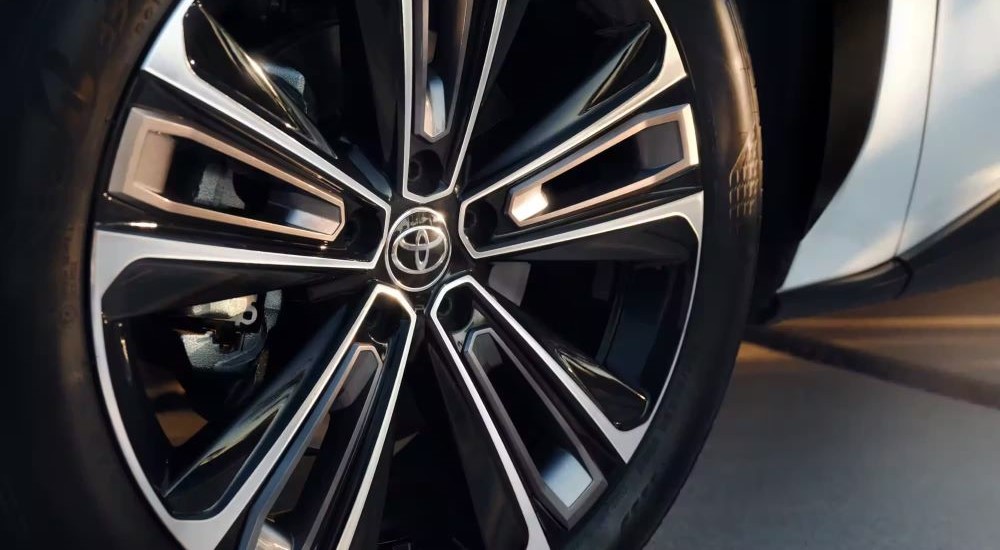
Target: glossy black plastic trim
<point>878,284</point>
<point>966,250</point>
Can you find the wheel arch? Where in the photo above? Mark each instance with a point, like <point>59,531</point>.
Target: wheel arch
<point>817,67</point>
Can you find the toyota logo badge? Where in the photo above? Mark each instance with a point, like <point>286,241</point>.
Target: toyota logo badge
<point>418,250</point>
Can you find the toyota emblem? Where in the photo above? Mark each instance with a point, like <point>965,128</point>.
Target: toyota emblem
<point>418,250</point>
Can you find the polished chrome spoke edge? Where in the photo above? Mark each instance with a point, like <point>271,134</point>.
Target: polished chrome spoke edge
<point>406,13</point>
<point>111,253</point>
<point>477,101</point>
<point>536,535</point>
<point>354,518</point>
<point>264,535</point>
<point>689,207</point>
<point>120,249</point>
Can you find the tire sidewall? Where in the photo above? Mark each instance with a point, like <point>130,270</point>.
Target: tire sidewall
<point>67,486</point>
<point>725,106</point>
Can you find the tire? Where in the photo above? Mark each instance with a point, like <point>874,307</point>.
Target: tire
<point>66,479</point>
<point>716,52</point>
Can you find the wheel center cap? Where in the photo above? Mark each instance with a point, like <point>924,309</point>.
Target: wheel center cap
<point>419,249</point>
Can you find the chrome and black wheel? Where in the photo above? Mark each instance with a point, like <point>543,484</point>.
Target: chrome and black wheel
<point>370,273</point>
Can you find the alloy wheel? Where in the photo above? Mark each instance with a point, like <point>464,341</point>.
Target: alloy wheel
<point>394,272</point>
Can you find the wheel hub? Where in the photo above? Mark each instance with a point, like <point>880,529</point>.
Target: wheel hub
<point>418,250</point>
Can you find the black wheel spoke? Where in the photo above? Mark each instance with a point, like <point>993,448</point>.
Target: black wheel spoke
<point>650,174</point>
<point>454,45</point>
<point>615,62</point>
<point>216,58</point>
<point>641,171</point>
<point>577,385</point>
<point>217,376</point>
<point>122,247</point>
<point>501,500</point>
<point>197,70</point>
<point>329,482</point>
<point>622,46</point>
<point>383,29</point>
<point>619,140</point>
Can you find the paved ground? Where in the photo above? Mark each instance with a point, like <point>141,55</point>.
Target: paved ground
<point>808,456</point>
<point>956,331</point>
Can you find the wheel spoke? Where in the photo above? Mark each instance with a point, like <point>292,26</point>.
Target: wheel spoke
<point>642,231</point>
<point>152,143</point>
<point>439,43</point>
<point>624,45</point>
<point>491,321</point>
<point>201,483</point>
<point>238,89</point>
<point>214,56</point>
<point>445,54</point>
<point>634,61</point>
<point>602,148</point>
<point>559,469</point>
<point>324,483</point>
<point>495,484</point>
<point>638,172</point>
<point>647,177</point>
<point>670,132</point>
<point>114,251</point>
<point>384,29</point>
<point>618,411</point>
<point>180,178</point>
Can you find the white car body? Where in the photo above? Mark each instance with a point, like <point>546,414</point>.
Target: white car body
<point>932,150</point>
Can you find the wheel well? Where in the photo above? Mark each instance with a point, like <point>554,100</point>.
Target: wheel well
<point>817,68</point>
